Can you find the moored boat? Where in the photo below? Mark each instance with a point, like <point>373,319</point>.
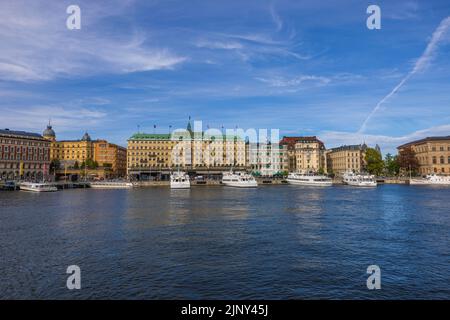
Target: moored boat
<point>238,180</point>
<point>431,179</point>
<point>359,180</point>
<point>111,185</point>
<point>37,187</point>
<point>179,180</point>
<point>309,179</point>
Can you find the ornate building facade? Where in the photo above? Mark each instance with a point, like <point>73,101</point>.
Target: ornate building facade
<point>23,155</point>
<point>155,155</point>
<point>304,154</point>
<point>346,158</point>
<point>432,154</point>
<point>72,154</point>
<point>266,159</point>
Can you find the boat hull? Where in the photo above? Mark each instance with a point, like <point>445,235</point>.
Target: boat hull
<point>241,184</point>
<point>362,184</point>
<point>113,186</point>
<point>180,185</point>
<point>310,183</point>
<point>31,189</point>
<point>419,182</point>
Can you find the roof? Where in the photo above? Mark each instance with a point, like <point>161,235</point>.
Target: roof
<point>427,139</point>
<point>179,134</point>
<point>21,134</point>
<point>355,147</point>
<point>145,136</point>
<point>291,141</point>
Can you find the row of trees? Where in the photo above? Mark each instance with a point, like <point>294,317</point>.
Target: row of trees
<point>89,164</point>
<point>391,165</point>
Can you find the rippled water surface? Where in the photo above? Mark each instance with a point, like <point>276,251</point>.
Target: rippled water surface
<point>274,242</point>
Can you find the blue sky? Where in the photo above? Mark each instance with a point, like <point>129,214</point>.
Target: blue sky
<point>304,67</point>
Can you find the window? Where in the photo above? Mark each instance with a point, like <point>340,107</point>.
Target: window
<point>434,160</point>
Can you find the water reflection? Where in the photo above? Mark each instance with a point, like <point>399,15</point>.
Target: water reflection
<point>224,243</point>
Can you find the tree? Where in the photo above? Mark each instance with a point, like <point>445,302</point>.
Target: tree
<point>321,171</point>
<point>407,160</point>
<point>391,164</point>
<point>375,164</point>
<point>55,165</point>
<point>76,165</point>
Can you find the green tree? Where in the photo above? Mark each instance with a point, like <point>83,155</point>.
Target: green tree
<point>321,171</point>
<point>55,165</point>
<point>391,164</point>
<point>375,164</point>
<point>76,165</point>
<point>407,160</point>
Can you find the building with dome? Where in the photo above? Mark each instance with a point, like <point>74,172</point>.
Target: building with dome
<point>49,134</point>
<point>107,160</point>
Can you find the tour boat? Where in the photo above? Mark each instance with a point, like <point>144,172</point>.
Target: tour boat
<point>37,187</point>
<point>111,185</point>
<point>179,180</point>
<point>432,179</point>
<point>359,180</point>
<point>238,180</point>
<point>309,180</point>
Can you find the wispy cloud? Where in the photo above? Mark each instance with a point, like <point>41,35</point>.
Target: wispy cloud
<point>38,46</point>
<point>219,45</point>
<point>74,118</point>
<point>276,18</point>
<point>388,143</point>
<point>280,82</point>
<point>420,65</point>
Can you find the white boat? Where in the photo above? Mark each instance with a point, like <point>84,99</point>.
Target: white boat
<point>238,180</point>
<point>359,180</point>
<point>179,180</point>
<point>111,185</point>
<point>432,179</point>
<point>37,187</point>
<point>309,180</point>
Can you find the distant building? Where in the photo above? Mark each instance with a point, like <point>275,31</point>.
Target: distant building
<point>110,155</point>
<point>23,155</point>
<point>266,159</point>
<point>304,154</point>
<point>347,158</point>
<point>432,154</point>
<point>71,154</point>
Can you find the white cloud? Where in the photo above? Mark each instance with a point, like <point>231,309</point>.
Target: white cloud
<point>281,82</point>
<point>36,45</point>
<point>65,118</point>
<point>219,45</point>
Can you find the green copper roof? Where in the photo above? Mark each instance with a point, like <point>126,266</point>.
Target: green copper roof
<point>177,135</point>
<point>154,136</point>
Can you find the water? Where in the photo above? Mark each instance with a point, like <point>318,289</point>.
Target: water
<point>274,242</point>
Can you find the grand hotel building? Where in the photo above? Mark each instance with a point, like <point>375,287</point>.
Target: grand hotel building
<point>153,156</point>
